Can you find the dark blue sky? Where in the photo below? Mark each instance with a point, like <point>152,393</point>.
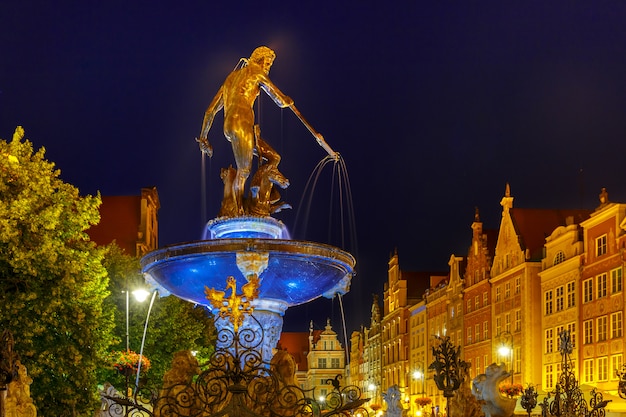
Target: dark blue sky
<point>434,106</point>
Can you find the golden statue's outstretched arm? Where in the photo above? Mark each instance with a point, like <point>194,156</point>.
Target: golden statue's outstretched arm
<point>216,105</point>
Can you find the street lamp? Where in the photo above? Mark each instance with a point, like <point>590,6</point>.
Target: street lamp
<point>140,295</point>
<point>505,350</point>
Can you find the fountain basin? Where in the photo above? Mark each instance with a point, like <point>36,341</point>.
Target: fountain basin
<point>297,271</point>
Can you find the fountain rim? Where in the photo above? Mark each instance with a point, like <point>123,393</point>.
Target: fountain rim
<point>233,245</point>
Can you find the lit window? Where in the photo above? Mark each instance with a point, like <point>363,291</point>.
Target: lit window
<point>560,298</point>
<point>601,322</point>
<point>601,245</point>
<point>616,280</point>
<point>549,382</point>
<point>587,290</point>
<point>616,364</point>
<point>616,325</point>
<point>548,302</point>
<point>559,257</point>
<point>571,294</point>
<point>601,285</point>
<point>518,320</point>
<point>588,370</point>
<point>549,341</point>
<point>588,330</point>
<point>603,368</point>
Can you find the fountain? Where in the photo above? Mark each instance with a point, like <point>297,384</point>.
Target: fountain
<point>248,268</point>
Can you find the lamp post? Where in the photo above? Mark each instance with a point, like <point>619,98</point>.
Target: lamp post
<point>140,295</point>
<point>417,375</point>
<point>505,349</point>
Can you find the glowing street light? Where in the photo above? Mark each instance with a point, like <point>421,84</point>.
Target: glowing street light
<point>140,295</point>
<point>505,350</point>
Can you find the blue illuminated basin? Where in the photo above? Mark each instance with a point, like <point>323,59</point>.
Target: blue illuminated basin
<point>297,271</point>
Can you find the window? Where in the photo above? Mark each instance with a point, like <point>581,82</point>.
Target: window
<point>603,368</point>
<point>588,330</point>
<point>587,290</point>
<point>601,245</point>
<point>560,298</point>
<point>485,330</point>
<point>497,293</point>
<point>476,303</point>
<point>507,290</point>
<point>469,335</point>
<point>507,322</point>
<point>469,306</point>
<point>498,324</point>
<point>616,325</point>
<point>549,341</point>
<point>572,333</point>
<point>601,285</point>
<point>601,323</point>
<point>485,299</point>
<point>321,363</point>
<point>616,364</point>
<point>588,370</point>
<point>334,363</point>
<point>477,332</point>
<point>549,382</point>
<point>518,285</point>
<point>571,294</point>
<point>518,360</point>
<point>477,365</point>
<point>616,280</point>
<point>559,257</point>
<point>548,302</point>
<point>518,320</point>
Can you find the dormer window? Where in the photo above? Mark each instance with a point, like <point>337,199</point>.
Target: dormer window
<point>559,257</point>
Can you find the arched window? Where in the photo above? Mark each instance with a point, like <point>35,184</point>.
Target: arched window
<point>559,257</point>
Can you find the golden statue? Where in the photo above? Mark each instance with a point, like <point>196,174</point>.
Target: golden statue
<point>237,96</point>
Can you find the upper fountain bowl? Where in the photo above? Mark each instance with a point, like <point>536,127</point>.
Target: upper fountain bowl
<point>294,272</point>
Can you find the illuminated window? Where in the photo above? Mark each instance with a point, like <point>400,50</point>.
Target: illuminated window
<point>601,285</point>
<point>601,323</point>
<point>518,320</point>
<point>560,298</point>
<point>588,370</point>
<point>587,290</point>
<point>559,257</point>
<point>616,364</point>
<point>571,294</point>
<point>616,280</point>
<point>588,331</point>
<point>549,381</point>
<point>616,325</point>
<point>601,245</point>
<point>572,333</point>
<point>548,302</point>
<point>603,369</point>
<point>549,341</point>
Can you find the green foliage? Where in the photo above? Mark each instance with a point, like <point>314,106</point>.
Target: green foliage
<point>52,280</point>
<point>174,324</point>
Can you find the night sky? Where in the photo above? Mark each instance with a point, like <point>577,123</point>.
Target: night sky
<point>434,107</point>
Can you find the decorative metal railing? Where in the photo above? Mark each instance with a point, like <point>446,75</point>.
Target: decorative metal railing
<point>235,382</point>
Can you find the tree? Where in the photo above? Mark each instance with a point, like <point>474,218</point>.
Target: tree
<point>52,280</point>
<point>174,324</point>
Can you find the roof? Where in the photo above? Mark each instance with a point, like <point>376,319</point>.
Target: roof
<point>534,225</point>
<point>297,345</point>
